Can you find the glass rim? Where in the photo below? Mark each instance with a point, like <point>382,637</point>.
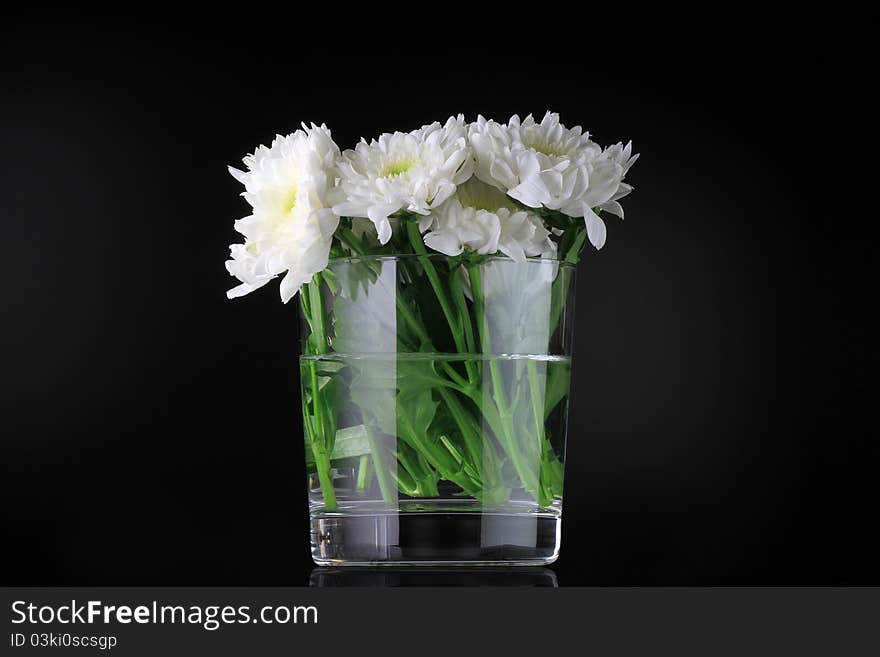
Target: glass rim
<point>402,256</point>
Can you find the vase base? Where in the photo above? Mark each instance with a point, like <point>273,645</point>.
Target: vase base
<point>429,537</point>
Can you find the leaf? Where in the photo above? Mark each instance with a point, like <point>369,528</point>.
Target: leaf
<point>373,389</point>
<point>424,476</point>
<point>330,279</point>
<point>417,374</point>
<point>415,412</point>
<point>350,442</point>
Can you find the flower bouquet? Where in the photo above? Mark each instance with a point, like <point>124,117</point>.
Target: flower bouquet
<point>435,271</point>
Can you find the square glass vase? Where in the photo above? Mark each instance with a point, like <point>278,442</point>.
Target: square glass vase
<point>435,402</point>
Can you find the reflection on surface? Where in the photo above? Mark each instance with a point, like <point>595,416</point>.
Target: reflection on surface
<point>525,577</point>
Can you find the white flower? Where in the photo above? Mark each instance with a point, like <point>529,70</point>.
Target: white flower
<point>606,188</point>
<point>523,235</point>
<point>415,172</point>
<point>290,187</point>
<point>457,227</point>
<point>453,130</point>
<point>548,165</point>
<point>479,218</point>
<point>606,174</point>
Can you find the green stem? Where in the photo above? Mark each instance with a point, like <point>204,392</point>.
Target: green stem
<point>363,476</point>
<point>538,414</point>
<point>465,322</point>
<point>316,304</point>
<point>406,314</point>
<point>570,252</point>
<point>346,236</point>
<point>322,435</point>
<point>528,477</point>
<point>406,483</point>
<point>418,245</point>
<point>383,471</point>
<point>424,477</point>
<point>472,439</point>
<point>537,410</point>
<point>458,383</point>
<point>465,387</point>
<point>439,457</point>
<point>322,464</point>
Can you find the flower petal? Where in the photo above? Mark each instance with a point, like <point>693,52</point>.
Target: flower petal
<point>596,231</point>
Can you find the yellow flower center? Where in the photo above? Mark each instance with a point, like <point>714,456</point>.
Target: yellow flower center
<point>545,147</point>
<point>289,200</point>
<point>479,196</point>
<point>396,168</point>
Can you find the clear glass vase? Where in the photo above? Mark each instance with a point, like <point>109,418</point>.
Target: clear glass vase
<point>435,402</point>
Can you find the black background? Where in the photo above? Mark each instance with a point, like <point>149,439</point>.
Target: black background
<point>723,421</point>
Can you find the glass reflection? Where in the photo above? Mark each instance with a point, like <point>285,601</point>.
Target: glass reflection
<point>415,576</point>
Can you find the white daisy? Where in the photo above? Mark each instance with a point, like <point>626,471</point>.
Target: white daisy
<point>548,165</point>
<point>290,186</point>
<point>415,172</point>
<point>481,219</point>
<point>606,188</point>
<point>454,129</point>
<point>456,227</point>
